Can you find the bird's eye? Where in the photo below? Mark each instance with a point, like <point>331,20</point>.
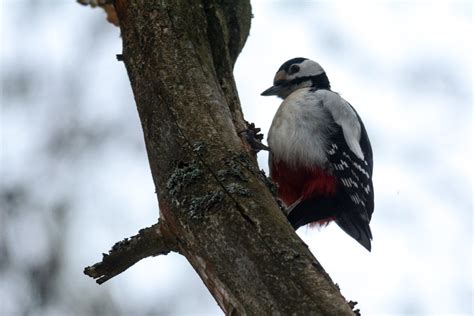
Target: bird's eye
<point>293,69</point>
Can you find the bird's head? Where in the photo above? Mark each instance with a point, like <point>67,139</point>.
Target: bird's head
<point>295,74</point>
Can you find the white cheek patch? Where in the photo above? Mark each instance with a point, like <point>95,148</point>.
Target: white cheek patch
<point>309,68</point>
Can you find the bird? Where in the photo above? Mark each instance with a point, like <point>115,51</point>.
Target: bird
<point>320,156</point>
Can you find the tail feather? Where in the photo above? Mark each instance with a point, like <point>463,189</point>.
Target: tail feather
<point>354,222</point>
<point>303,212</point>
<point>356,227</point>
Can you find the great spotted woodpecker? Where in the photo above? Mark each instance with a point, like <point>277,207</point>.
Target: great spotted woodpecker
<point>320,154</point>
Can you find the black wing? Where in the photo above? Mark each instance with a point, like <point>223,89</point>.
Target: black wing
<point>356,192</point>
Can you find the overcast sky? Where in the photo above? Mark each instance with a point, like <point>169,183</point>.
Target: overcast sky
<point>72,145</point>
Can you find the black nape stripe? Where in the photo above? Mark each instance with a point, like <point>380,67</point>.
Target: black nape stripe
<point>320,81</point>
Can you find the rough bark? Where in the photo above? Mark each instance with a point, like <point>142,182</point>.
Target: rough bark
<point>214,203</point>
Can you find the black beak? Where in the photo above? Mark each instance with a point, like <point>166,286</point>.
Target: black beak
<point>273,90</point>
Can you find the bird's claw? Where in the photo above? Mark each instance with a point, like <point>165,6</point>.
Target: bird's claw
<point>254,137</point>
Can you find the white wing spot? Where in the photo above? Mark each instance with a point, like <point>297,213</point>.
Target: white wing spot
<point>367,189</point>
<point>355,199</point>
<point>355,175</point>
<point>362,170</point>
<point>346,182</point>
<point>344,164</point>
<point>333,149</point>
<point>354,183</point>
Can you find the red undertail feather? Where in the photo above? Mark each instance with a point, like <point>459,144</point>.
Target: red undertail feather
<point>305,183</point>
<point>322,223</point>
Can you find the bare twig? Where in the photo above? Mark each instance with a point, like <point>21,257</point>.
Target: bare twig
<point>150,241</point>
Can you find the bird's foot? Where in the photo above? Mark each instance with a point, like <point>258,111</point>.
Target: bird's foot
<point>290,208</point>
<point>253,137</point>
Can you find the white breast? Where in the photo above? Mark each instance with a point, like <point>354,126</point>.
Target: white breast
<point>299,131</point>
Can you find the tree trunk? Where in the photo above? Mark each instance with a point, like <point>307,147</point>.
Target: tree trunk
<point>213,200</point>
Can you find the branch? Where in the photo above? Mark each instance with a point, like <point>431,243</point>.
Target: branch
<point>149,242</point>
